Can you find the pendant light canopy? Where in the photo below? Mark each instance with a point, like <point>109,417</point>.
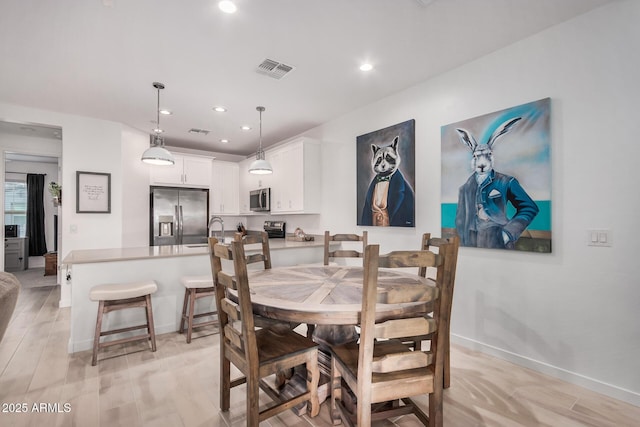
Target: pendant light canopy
<point>260,166</point>
<point>157,154</point>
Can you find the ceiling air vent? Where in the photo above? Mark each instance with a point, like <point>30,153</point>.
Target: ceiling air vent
<point>274,69</point>
<point>199,131</point>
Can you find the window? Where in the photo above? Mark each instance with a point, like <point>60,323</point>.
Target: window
<point>15,204</point>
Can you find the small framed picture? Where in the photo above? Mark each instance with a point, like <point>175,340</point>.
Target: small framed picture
<point>93,192</point>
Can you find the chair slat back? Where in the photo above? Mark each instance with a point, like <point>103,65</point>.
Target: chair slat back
<point>343,253</point>
<point>401,259</point>
<point>236,318</point>
<point>394,360</point>
<point>263,239</point>
<point>400,362</point>
<point>429,242</point>
<point>231,308</point>
<point>400,328</point>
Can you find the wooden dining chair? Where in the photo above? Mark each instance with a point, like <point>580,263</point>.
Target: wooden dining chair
<point>428,243</point>
<point>259,353</point>
<point>382,371</point>
<point>263,256</point>
<point>261,238</point>
<point>342,253</point>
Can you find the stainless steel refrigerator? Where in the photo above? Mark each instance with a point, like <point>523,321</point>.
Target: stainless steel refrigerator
<point>178,216</point>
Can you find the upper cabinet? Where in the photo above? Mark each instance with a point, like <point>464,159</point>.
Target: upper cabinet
<point>246,184</point>
<point>187,171</point>
<point>296,182</point>
<point>224,188</point>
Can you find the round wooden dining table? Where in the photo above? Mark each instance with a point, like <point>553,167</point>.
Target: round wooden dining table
<point>332,295</point>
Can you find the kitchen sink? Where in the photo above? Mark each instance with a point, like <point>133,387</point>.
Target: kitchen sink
<point>204,245</point>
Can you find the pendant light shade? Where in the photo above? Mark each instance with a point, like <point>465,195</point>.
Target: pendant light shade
<point>260,166</point>
<point>156,154</point>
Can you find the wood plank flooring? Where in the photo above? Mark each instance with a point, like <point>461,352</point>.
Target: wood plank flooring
<point>178,385</point>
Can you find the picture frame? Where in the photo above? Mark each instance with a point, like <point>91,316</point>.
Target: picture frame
<point>93,192</point>
<point>386,155</point>
<point>496,179</point>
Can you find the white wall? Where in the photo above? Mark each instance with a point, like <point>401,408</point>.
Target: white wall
<point>572,313</point>
<point>87,145</point>
<point>135,195</point>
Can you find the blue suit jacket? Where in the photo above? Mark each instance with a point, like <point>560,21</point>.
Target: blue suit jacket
<point>493,194</point>
<point>400,203</point>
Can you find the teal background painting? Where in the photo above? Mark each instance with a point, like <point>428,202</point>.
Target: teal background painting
<point>524,153</point>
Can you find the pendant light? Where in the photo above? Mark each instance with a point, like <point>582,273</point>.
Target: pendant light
<point>260,166</point>
<point>157,154</point>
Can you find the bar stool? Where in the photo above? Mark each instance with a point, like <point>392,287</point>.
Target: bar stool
<point>119,296</point>
<point>196,287</point>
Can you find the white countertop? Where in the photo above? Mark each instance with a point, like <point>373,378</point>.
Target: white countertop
<point>87,256</point>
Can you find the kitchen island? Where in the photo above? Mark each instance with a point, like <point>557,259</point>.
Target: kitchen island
<point>164,264</point>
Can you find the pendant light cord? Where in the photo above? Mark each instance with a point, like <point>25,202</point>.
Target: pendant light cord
<point>260,133</point>
<point>158,114</point>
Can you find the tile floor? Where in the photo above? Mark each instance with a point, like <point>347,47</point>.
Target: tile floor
<point>178,386</point>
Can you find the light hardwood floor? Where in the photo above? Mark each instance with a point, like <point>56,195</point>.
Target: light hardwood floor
<point>178,386</point>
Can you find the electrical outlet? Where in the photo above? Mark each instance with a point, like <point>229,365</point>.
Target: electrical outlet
<point>599,237</point>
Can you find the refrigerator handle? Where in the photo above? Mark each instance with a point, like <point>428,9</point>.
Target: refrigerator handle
<point>181,225</point>
<point>177,221</point>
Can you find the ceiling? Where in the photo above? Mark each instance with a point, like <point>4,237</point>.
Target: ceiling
<point>99,58</point>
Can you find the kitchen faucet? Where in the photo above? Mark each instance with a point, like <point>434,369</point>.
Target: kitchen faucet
<point>213,220</point>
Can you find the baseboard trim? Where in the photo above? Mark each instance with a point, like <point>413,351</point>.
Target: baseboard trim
<point>554,371</point>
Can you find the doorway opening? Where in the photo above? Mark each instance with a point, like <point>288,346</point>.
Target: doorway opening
<point>29,149</point>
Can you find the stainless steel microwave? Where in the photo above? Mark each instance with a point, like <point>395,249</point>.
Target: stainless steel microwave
<point>260,200</point>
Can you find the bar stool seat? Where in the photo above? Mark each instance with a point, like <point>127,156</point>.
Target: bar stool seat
<point>197,281</point>
<point>196,287</point>
<point>118,291</point>
<point>118,296</point>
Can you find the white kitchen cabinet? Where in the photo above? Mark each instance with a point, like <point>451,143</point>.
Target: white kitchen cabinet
<point>296,179</point>
<point>246,182</point>
<point>223,195</point>
<point>187,171</point>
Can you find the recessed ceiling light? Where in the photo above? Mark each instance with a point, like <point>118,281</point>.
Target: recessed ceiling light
<point>245,127</point>
<point>366,67</point>
<point>224,141</point>
<point>227,6</point>
<point>166,112</point>
<point>219,109</point>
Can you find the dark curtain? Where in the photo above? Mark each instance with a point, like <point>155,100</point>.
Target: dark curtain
<point>35,215</point>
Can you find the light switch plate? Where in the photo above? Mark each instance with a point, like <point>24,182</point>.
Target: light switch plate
<point>599,237</point>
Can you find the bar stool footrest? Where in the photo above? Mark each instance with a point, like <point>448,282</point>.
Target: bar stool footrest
<point>124,340</point>
<point>117,331</point>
